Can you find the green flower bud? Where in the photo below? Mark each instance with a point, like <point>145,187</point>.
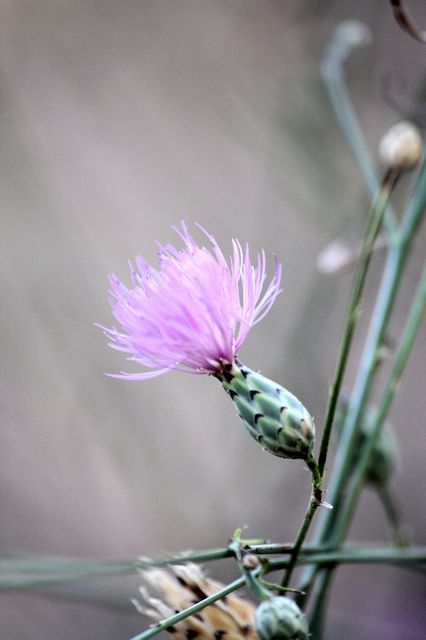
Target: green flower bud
<point>273,416</point>
<point>280,619</point>
<point>384,455</point>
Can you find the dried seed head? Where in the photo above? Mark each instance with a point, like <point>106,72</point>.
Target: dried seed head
<point>401,147</point>
<point>231,618</point>
<point>281,619</point>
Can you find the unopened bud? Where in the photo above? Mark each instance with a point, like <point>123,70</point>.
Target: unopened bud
<point>250,562</point>
<point>273,416</point>
<point>401,147</point>
<point>280,619</point>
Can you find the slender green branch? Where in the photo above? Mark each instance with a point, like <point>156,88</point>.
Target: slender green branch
<point>393,515</point>
<point>343,519</point>
<point>182,558</point>
<point>372,230</point>
<point>277,587</point>
<point>373,227</point>
<point>317,618</point>
<point>214,554</point>
<point>250,575</point>
<point>30,574</point>
<point>359,555</point>
<point>395,263</point>
<point>347,37</point>
<point>313,504</point>
<point>407,341</point>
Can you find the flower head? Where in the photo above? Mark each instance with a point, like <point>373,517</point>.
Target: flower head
<point>192,313</point>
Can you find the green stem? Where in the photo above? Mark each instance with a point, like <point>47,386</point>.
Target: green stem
<point>343,519</point>
<point>359,555</point>
<point>31,573</point>
<point>395,263</point>
<point>314,502</point>
<point>317,618</point>
<point>250,575</point>
<point>372,230</point>
<point>212,554</point>
<point>407,341</point>
<point>27,573</point>
<point>393,515</point>
<point>277,587</point>
<point>182,558</point>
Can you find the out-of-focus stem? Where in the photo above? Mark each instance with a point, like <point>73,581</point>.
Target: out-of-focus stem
<point>343,519</point>
<point>373,227</point>
<point>347,37</point>
<point>393,515</point>
<point>379,206</point>
<point>415,317</point>
<point>395,263</point>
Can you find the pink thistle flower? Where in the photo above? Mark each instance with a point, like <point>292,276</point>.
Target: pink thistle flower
<point>194,312</point>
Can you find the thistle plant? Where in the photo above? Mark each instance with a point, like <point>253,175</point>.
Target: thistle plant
<point>192,314</point>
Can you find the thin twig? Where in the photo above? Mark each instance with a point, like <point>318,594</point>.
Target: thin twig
<point>343,519</point>
<point>396,259</point>
<point>373,227</point>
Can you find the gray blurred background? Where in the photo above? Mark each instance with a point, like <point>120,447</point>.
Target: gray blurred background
<point>118,119</point>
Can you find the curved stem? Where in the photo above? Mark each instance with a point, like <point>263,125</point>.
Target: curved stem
<point>347,37</point>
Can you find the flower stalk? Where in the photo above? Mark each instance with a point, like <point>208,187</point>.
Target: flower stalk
<point>318,471</point>
<point>396,259</point>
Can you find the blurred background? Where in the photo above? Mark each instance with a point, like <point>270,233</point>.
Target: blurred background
<point>118,119</point>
